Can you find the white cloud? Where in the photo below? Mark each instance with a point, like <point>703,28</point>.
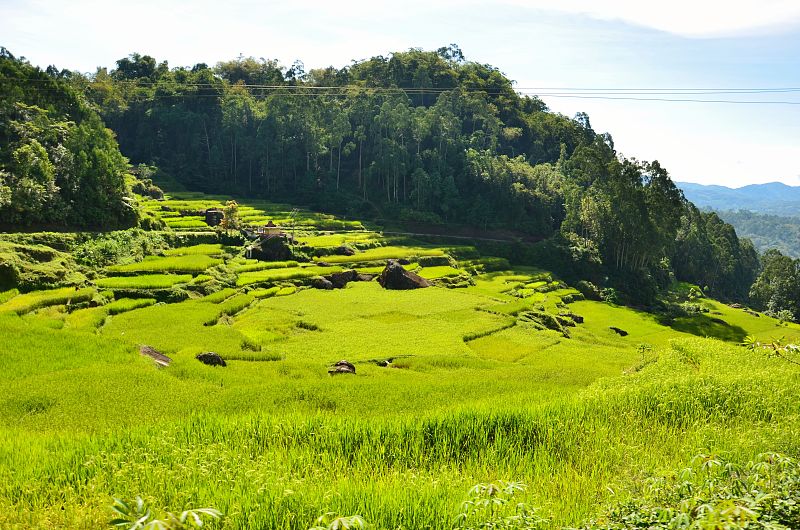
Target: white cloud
<point>690,18</point>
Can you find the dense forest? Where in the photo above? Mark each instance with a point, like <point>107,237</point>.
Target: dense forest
<point>767,231</point>
<point>59,165</point>
<point>417,136</point>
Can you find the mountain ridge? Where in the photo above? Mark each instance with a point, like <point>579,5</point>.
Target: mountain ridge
<point>775,198</point>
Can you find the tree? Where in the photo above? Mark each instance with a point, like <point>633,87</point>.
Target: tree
<point>231,221</point>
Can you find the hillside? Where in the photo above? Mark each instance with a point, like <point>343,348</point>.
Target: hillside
<point>767,231</point>
<point>395,294</point>
<point>495,373</point>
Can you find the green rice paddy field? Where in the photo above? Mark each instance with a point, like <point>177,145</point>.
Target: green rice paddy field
<point>457,384</point>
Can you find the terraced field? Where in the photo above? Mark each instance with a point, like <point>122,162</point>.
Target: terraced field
<point>494,373</point>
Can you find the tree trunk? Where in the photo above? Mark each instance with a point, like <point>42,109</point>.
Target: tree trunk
<point>338,166</point>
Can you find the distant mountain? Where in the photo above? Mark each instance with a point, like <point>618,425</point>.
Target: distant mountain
<point>773,198</point>
<point>767,214</point>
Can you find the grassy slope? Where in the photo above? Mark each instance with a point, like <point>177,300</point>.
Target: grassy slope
<point>472,395</point>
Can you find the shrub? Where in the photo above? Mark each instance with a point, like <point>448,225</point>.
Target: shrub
<point>715,493</point>
<point>589,290</point>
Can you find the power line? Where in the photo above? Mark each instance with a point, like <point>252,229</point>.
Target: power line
<point>619,94</point>
<point>686,100</point>
<point>670,90</point>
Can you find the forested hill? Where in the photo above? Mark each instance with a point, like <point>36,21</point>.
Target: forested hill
<point>59,165</point>
<point>767,214</point>
<point>773,198</point>
<point>418,135</point>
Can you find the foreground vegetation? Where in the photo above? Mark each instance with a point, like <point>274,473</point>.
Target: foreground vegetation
<point>498,375</point>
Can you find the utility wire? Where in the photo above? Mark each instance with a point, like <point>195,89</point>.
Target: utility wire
<point>618,94</point>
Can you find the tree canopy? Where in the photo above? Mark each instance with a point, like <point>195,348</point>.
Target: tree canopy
<point>59,164</point>
<point>415,135</point>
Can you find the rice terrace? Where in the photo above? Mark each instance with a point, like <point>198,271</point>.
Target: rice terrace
<point>399,294</point>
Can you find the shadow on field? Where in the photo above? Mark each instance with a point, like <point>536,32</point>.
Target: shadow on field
<point>706,326</point>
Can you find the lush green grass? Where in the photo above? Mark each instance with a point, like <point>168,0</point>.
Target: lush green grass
<point>209,249</point>
<point>383,253</point>
<point>24,303</point>
<point>441,271</point>
<point>147,281</point>
<point>283,274</point>
<point>476,390</point>
<point>91,318</point>
<point>252,265</point>
<point>384,440</point>
<point>335,240</point>
<point>193,263</point>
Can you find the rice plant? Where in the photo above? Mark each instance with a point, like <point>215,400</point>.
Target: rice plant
<point>145,281</point>
<point>193,263</point>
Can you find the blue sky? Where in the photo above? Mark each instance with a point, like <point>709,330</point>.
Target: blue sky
<point>614,44</point>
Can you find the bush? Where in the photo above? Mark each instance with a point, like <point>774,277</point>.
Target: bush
<point>610,295</point>
<point>714,493</point>
<point>588,290</point>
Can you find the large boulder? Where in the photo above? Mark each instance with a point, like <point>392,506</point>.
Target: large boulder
<point>270,249</point>
<point>322,283</point>
<point>214,216</point>
<point>394,276</point>
<point>343,250</point>
<point>211,359</point>
<point>342,367</point>
<point>340,279</point>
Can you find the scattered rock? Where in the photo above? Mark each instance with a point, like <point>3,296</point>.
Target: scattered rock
<point>273,248</point>
<point>736,306</point>
<point>394,276</point>
<point>752,313</point>
<point>342,367</point>
<point>340,279</point>
<point>158,357</point>
<point>344,250</point>
<point>363,277</point>
<point>575,318</point>
<point>214,216</point>
<point>620,332</point>
<point>211,359</point>
<point>322,283</point>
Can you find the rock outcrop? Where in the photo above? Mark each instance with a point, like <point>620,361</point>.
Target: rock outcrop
<point>211,359</point>
<point>394,276</point>
<point>342,367</point>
